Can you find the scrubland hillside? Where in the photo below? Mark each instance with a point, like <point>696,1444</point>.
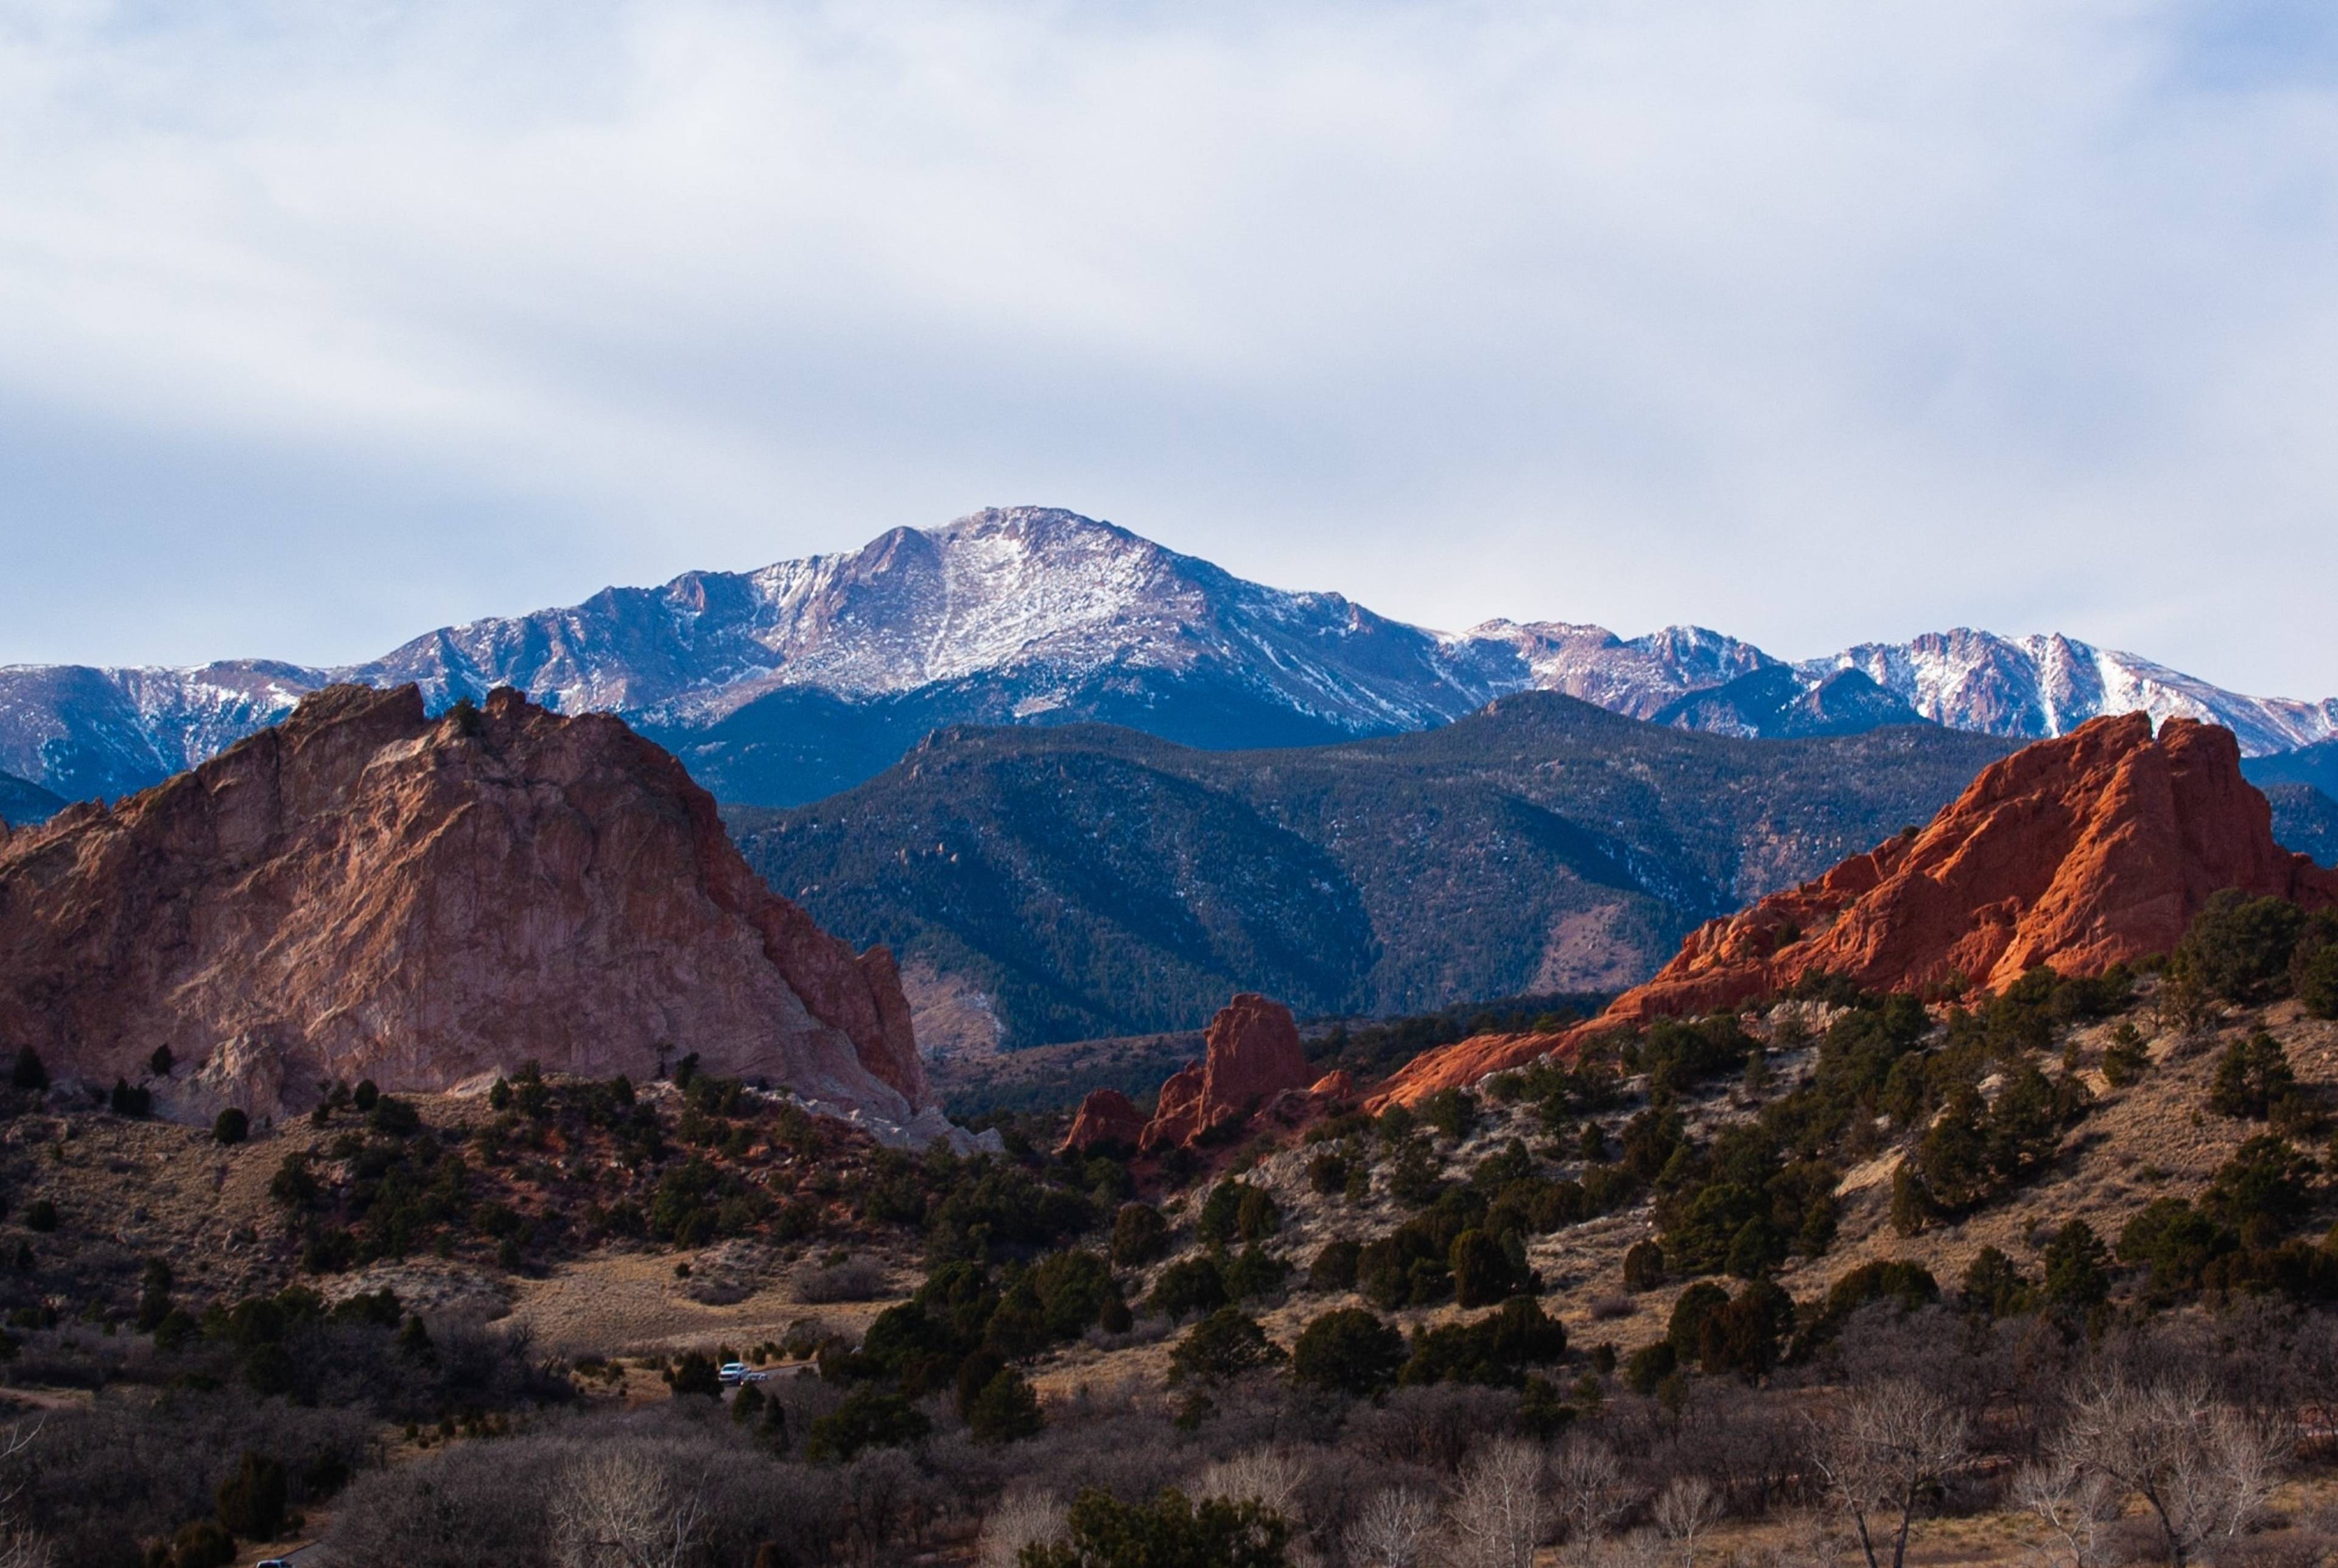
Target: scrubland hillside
<point>1681,1297</point>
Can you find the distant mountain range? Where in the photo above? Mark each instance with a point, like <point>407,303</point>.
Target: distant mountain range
<point>786,685</point>
<point>21,801</point>
<point>1080,881</point>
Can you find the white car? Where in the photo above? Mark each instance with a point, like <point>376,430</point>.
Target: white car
<point>733,1372</point>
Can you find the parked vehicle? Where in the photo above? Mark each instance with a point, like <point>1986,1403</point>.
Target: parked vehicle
<point>733,1372</point>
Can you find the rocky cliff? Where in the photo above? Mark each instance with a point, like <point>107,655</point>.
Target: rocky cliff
<point>2079,852</point>
<point>363,891</point>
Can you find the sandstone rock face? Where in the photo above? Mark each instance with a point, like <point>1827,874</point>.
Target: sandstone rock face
<point>1250,1053</point>
<point>2079,852</point>
<point>1106,1119</point>
<point>1251,1059</point>
<point>366,892</point>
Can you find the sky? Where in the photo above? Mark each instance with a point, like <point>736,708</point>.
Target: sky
<point>1817,323</point>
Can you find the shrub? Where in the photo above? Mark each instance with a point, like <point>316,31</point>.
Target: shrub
<point>869,1419</point>
<point>1257,1218</point>
<point>1071,1287</point>
<point>1253,1272</point>
<point>1222,1211</point>
<point>1414,1176</point>
<point>1225,1344</point>
<point>1702,1230</point>
<point>1485,1271</point>
<point>202,1545</point>
<point>41,1215</point>
<point>230,1126</point>
<point>367,1093</point>
<point>2176,1241</point>
<point>127,1101</point>
<point>1328,1173</point>
<point>2317,981</point>
<point>2124,1060</point>
<point>1993,1285</point>
<point>1187,1287</point>
<point>1649,1365</point>
<point>2077,1272</point>
<point>1170,1532</point>
<point>2240,948</point>
<point>1452,1112</point>
<point>693,1372</point>
<point>30,1074</point>
<point>1748,1335</point>
<point>2261,1190</point>
<point>1698,1302</point>
<point>1351,1350</point>
<point>1905,1284</point>
<point>1139,1235</point>
<point>1006,1411</point>
<point>160,1062</point>
<point>394,1117</point>
<point>854,1279</point>
<point>252,1501</point>
<point>1643,1266</point>
<point>1334,1268</point>
<point>2253,1076</point>
<point>1495,1349</point>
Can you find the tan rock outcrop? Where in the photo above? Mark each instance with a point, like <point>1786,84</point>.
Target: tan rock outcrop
<point>2093,848</point>
<point>366,892</point>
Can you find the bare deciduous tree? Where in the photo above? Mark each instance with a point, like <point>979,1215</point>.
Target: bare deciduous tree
<point>616,1509</point>
<point>19,1546</point>
<point>2204,1468</point>
<point>1393,1530</point>
<point>1270,1477</point>
<point>1023,1518</point>
<point>1499,1513</point>
<point>1587,1484</point>
<point>1885,1447</point>
<point>1686,1510</point>
<point>2073,1504</point>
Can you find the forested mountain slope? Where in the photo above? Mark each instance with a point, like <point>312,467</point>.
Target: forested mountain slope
<point>1097,881</point>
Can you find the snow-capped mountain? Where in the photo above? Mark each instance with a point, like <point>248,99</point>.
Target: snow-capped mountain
<point>785,683</point>
<point>2033,687</point>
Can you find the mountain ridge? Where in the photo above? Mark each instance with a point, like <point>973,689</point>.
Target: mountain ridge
<point>787,683</point>
<point>1092,881</point>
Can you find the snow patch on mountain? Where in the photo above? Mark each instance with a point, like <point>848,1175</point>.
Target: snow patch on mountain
<point>1042,615</point>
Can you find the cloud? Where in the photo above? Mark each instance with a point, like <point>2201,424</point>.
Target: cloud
<point>1815,321</point>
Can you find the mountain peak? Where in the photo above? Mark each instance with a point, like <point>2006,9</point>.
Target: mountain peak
<point>808,675</point>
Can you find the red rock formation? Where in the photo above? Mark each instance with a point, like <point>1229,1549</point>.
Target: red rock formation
<point>1107,1119</point>
<point>1251,1058</point>
<point>1250,1053</point>
<point>2079,852</point>
<point>365,892</point>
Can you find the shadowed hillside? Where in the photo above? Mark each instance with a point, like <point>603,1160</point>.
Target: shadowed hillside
<point>1095,881</point>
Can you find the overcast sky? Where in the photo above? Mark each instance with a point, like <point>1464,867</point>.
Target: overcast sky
<point>321,325</point>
